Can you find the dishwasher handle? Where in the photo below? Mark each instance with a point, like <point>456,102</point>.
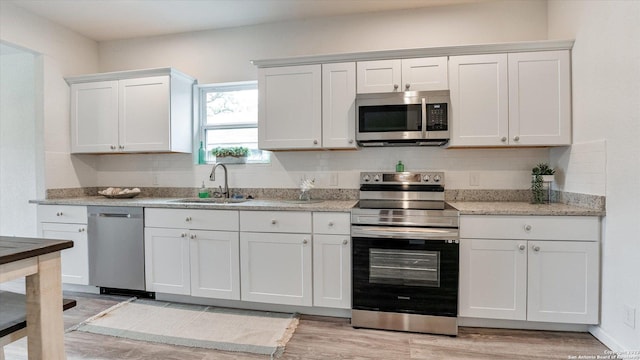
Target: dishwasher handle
<point>114,215</point>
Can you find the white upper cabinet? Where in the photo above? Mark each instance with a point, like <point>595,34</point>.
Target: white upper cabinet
<point>479,100</point>
<point>134,111</point>
<point>339,105</point>
<point>516,99</point>
<point>290,107</point>
<point>417,74</point>
<point>539,98</point>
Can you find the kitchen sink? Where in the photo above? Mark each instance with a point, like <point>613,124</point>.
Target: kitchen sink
<point>211,200</point>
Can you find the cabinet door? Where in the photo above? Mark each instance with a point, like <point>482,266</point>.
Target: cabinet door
<point>493,279</point>
<point>539,98</point>
<point>339,105</point>
<point>422,74</point>
<point>379,76</point>
<point>144,114</point>
<point>215,264</point>
<point>94,117</point>
<point>479,100</point>
<point>563,282</point>
<point>75,260</point>
<point>276,268</point>
<point>332,271</point>
<point>166,261</point>
<point>290,107</point>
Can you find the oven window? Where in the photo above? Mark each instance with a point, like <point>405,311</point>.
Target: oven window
<point>390,118</point>
<point>404,267</point>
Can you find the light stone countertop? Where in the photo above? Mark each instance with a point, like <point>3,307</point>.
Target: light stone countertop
<point>464,207</point>
<point>175,203</point>
<point>523,208</point>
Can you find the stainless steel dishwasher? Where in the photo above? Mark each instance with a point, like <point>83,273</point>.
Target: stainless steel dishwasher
<point>116,249</point>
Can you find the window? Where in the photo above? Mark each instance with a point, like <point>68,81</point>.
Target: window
<point>229,118</point>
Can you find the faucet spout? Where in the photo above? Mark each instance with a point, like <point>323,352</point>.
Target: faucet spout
<point>212,177</point>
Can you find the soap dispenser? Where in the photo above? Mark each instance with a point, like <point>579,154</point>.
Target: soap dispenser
<point>203,193</point>
<point>399,167</point>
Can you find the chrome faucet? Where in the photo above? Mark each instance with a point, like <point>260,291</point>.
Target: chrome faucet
<point>212,177</point>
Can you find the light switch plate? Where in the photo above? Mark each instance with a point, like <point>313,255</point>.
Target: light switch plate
<point>629,316</point>
<point>474,179</point>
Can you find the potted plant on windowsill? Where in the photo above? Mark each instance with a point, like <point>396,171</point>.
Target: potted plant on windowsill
<point>231,155</point>
<point>540,175</point>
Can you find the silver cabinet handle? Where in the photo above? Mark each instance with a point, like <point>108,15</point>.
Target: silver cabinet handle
<point>274,221</point>
<point>527,228</point>
<point>350,141</point>
<point>504,139</point>
<point>536,248</point>
<point>305,241</point>
<point>395,86</point>
<point>345,242</point>
<point>330,223</point>
<point>407,86</point>
<point>81,229</point>
<point>183,235</point>
<point>516,138</point>
<point>59,213</point>
<point>188,218</point>
<point>193,236</point>
<point>315,142</point>
<point>113,147</point>
<point>121,147</point>
<point>522,247</point>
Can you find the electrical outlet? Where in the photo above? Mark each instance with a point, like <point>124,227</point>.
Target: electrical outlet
<point>474,179</point>
<point>333,179</point>
<point>154,179</point>
<point>630,316</point>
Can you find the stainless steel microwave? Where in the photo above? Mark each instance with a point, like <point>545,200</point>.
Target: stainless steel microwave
<point>403,118</point>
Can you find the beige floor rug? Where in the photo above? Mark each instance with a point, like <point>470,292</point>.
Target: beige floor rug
<point>196,326</point>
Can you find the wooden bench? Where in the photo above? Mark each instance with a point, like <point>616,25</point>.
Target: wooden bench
<point>13,319</point>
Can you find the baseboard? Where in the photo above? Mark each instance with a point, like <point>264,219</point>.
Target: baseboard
<point>523,325</point>
<point>608,340</point>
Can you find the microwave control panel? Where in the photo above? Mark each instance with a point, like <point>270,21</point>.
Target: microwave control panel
<point>437,116</point>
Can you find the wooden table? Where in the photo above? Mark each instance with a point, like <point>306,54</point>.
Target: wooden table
<point>39,261</point>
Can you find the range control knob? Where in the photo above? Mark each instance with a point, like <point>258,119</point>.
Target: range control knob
<point>366,178</point>
<point>436,178</point>
<point>425,177</point>
<point>376,177</point>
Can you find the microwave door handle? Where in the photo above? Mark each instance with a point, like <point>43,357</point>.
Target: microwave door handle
<point>424,118</point>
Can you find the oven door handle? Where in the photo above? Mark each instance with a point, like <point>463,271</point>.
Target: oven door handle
<point>389,232</point>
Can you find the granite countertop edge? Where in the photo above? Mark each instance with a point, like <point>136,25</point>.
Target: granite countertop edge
<point>464,207</point>
<point>175,203</point>
<point>523,208</point>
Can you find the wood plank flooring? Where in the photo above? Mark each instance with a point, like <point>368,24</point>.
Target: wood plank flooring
<point>324,338</point>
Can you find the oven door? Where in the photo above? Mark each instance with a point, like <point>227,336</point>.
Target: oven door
<point>405,270</point>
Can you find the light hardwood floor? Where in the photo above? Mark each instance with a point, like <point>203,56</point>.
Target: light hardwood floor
<point>324,338</point>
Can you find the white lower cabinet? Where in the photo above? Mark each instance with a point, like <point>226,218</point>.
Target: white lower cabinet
<point>512,267</point>
<point>166,261</point>
<point>215,264</point>
<point>276,268</point>
<point>192,252</point>
<point>68,223</point>
<point>332,271</point>
<point>332,259</point>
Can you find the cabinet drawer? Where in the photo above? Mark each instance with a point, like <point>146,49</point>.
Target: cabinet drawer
<point>584,228</point>
<point>192,219</point>
<point>331,223</point>
<point>275,221</point>
<point>68,214</point>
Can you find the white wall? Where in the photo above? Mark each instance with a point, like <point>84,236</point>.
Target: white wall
<point>606,119</point>
<point>224,56</point>
<point>17,143</point>
<point>62,53</point>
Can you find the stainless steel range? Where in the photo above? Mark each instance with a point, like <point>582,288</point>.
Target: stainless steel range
<point>405,254</point>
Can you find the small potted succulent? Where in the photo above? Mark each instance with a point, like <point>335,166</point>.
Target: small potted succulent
<point>230,155</point>
<point>541,174</point>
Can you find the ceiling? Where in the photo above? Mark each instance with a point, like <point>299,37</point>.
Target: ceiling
<point>103,20</point>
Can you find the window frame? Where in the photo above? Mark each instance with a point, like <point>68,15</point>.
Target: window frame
<point>201,109</point>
